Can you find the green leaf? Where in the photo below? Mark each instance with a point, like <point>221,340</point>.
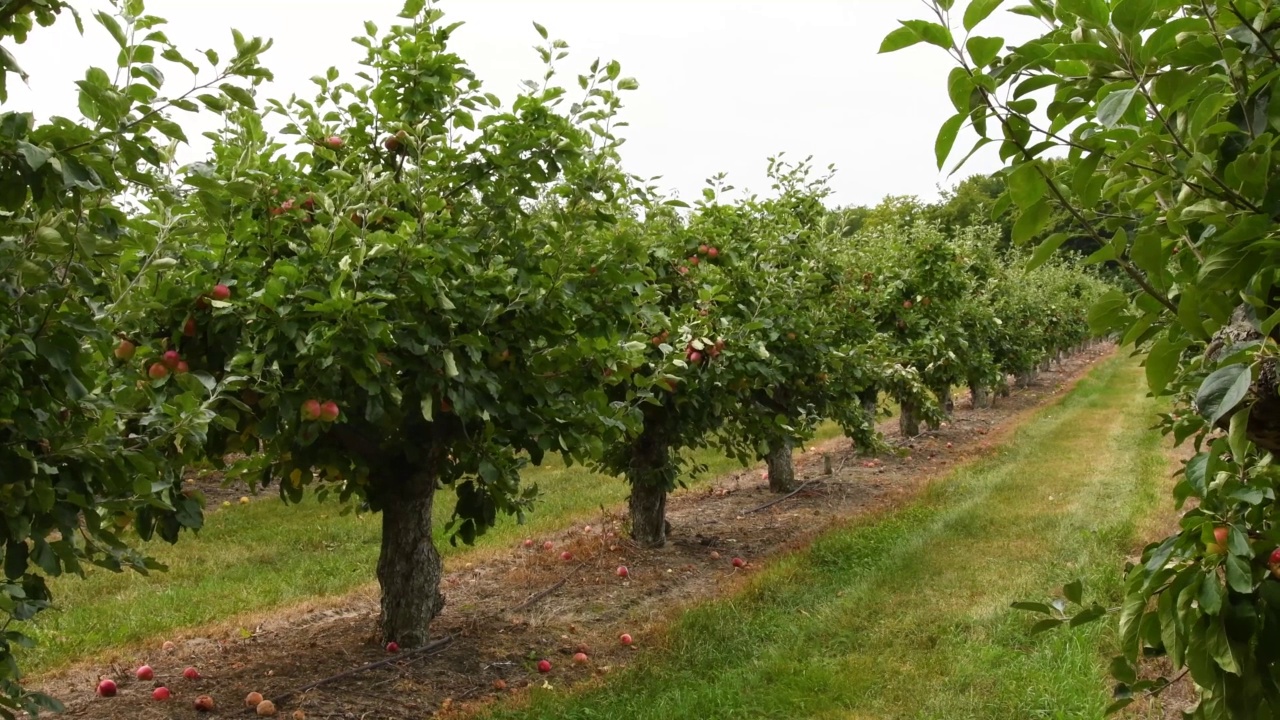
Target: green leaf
<point>1162,363</point>
<point>1222,391</point>
<point>978,11</point>
<point>1219,647</point>
<point>1132,16</point>
<point>450,365</point>
<point>1031,222</point>
<point>112,27</point>
<point>932,33</point>
<point>900,38</point>
<point>1027,185</point>
<point>983,50</point>
<point>1238,575</point>
<point>1045,250</point>
<point>541,30</point>
<point>1114,105</point>
<point>1073,591</point>
<point>960,89</point>
<point>1033,607</point>
<point>947,138</point>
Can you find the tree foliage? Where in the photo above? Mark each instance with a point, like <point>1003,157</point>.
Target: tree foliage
<point>1166,114</point>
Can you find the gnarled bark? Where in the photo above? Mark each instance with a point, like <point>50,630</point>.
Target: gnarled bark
<point>782,473</point>
<point>979,397</point>
<point>908,420</point>
<point>409,567</point>
<point>649,476</point>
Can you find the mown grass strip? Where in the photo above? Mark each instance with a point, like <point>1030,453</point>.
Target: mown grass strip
<point>907,615</point>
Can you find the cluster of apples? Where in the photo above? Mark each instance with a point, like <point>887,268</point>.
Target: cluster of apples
<point>313,410</point>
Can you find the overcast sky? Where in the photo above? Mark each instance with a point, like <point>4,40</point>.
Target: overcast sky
<point>723,85</point>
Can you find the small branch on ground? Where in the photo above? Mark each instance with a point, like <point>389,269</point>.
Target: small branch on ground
<point>416,652</point>
<point>539,595</point>
<point>788,496</point>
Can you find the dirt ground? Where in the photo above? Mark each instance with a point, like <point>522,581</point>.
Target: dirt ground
<point>507,610</point>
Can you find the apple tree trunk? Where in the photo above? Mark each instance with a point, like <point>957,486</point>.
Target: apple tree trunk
<point>908,420</point>
<point>650,474</point>
<point>979,397</point>
<point>782,473</point>
<point>409,567</point>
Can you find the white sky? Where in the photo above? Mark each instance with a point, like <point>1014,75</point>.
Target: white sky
<point>723,84</point>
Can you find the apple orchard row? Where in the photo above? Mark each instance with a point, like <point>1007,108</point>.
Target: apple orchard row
<point>402,284</point>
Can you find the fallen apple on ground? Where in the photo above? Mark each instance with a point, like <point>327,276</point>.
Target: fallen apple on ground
<point>107,688</point>
<point>252,699</point>
<point>191,674</point>
<point>544,666</point>
<point>625,639</point>
<point>145,673</point>
<point>580,659</point>
<point>204,703</point>
<point>161,693</point>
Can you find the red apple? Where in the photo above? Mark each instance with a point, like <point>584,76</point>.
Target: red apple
<point>168,646</point>
<point>625,639</point>
<point>329,411</point>
<point>1219,545</point>
<point>220,292</point>
<point>311,410</point>
<point>682,270</point>
<point>393,647</point>
<point>171,359</point>
<point>252,699</point>
<point>580,659</point>
<point>693,260</point>
<point>157,371</point>
<point>702,249</point>
<point>204,703</point>
<point>528,542</point>
<point>189,328</point>
<point>566,555</point>
<point>182,368</point>
<point>906,304</point>
<point>623,571</point>
<point>333,142</point>
<point>712,252</point>
<point>309,204</point>
<point>1275,556</point>
<point>161,693</point>
<point>548,545</point>
<point>739,562</point>
<point>266,708</point>
<point>948,446</point>
<point>145,673</point>
<point>107,688</point>
<point>125,350</point>
<point>544,666</point>
<point>191,674</point>
<point>1220,534</point>
<point>695,357</point>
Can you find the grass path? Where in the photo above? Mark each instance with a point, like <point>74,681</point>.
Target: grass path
<point>263,556</point>
<point>907,615</point>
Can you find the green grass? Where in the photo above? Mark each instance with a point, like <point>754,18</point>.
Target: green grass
<point>907,615</point>
<point>255,558</point>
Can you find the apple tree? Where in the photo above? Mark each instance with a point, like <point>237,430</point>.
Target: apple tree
<point>96,423</point>
<point>425,291</point>
<point>1166,114</point>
